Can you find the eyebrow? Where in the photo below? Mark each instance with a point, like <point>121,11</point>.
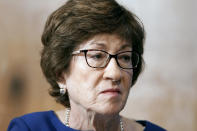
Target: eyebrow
<point>103,45</point>
<point>99,44</point>
<point>125,46</point>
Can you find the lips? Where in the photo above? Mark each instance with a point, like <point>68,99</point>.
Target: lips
<point>111,91</point>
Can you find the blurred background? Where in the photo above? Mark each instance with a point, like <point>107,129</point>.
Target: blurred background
<point>166,92</point>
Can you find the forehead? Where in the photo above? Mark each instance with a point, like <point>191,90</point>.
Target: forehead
<point>106,42</point>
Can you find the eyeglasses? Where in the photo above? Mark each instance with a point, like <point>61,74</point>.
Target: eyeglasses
<point>100,59</point>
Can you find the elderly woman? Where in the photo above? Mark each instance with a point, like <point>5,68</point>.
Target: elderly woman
<point>92,56</point>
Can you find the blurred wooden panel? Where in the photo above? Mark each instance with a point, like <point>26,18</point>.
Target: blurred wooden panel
<point>23,87</point>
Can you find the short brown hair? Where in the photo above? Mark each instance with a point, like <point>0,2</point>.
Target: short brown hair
<point>77,21</point>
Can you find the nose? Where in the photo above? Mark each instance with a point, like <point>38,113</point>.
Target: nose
<point>112,71</point>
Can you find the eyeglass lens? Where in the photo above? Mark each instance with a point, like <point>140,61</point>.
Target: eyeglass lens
<point>98,59</point>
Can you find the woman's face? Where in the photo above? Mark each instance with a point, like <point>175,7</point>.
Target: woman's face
<point>103,90</point>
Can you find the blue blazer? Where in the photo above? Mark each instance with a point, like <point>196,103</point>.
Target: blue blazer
<point>48,121</point>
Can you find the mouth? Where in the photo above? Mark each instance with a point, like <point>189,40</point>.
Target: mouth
<point>113,92</point>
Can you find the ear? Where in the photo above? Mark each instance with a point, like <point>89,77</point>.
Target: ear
<point>61,80</point>
<point>61,76</point>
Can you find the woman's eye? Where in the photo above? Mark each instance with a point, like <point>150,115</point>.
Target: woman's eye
<point>125,58</point>
<point>97,56</point>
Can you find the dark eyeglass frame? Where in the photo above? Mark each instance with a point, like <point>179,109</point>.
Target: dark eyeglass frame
<point>109,58</point>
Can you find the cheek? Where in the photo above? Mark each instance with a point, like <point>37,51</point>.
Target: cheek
<point>82,82</point>
<point>128,78</point>
<point>81,92</point>
<point>78,69</point>
<point>88,75</point>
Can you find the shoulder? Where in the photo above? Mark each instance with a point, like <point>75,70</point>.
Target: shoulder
<point>140,125</point>
<point>31,121</point>
<point>37,117</point>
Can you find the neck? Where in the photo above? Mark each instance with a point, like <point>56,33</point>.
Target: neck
<point>83,119</point>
